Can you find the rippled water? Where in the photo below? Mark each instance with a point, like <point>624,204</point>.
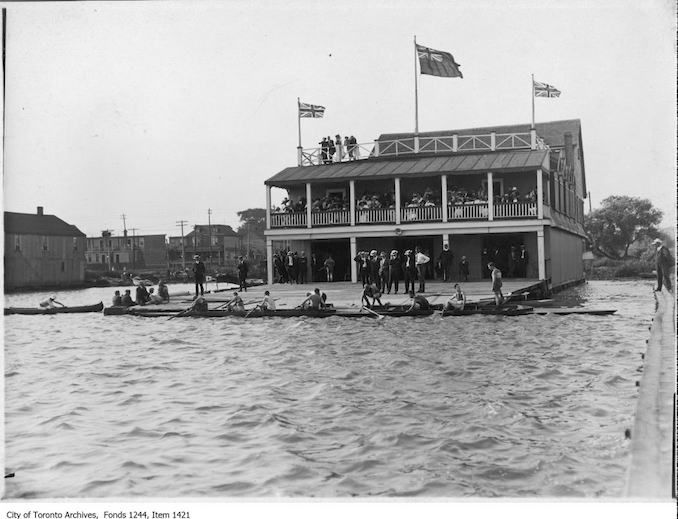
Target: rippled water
<point>475,406</point>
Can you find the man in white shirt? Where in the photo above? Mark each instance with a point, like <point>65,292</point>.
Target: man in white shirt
<point>420,260</point>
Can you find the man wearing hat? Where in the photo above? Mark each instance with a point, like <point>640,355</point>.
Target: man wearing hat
<point>199,275</point>
<point>410,269</point>
<point>373,266</point>
<point>664,262</point>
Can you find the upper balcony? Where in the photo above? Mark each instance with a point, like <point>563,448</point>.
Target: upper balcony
<point>418,144</point>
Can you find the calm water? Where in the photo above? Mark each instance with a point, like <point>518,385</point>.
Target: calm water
<point>531,406</point>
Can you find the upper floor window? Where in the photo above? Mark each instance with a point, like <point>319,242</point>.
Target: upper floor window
<point>75,243</point>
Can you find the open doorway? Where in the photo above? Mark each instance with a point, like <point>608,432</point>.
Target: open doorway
<point>340,252</point>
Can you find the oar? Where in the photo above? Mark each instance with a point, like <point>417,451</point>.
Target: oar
<point>183,312</point>
<point>253,309</point>
<point>379,316</point>
<point>222,305</point>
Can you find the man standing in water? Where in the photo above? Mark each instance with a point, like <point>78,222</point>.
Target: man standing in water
<point>663,263</point>
<point>199,275</point>
<point>496,283</point>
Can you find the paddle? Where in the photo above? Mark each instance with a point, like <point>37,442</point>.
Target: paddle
<point>183,312</point>
<point>379,316</point>
<point>253,309</point>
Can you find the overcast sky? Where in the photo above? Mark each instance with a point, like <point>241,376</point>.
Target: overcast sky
<point>160,111</point>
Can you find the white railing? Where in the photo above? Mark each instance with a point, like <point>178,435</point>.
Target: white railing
<point>407,146</point>
<point>468,211</point>
<point>330,218</point>
<point>288,219</point>
<point>375,216</point>
<point>515,210</point>
<point>432,213</point>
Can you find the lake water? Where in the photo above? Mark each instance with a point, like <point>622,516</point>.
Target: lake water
<point>530,406</point>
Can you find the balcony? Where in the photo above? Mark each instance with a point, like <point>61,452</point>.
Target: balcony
<point>425,214</point>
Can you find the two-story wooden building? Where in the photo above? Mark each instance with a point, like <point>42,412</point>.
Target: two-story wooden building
<point>42,251</point>
<point>218,245</point>
<point>484,191</point>
<point>108,252</point>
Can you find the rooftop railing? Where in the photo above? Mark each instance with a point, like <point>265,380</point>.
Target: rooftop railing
<point>408,146</point>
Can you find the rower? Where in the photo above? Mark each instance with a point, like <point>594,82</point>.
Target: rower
<point>236,303</point>
<point>49,302</point>
<point>371,290</point>
<point>127,299</point>
<point>313,301</point>
<point>267,303</point>
<point>457,300</point>
<point>163,292</point>
<point>154,298</point>
<point>117,298</point>
<point>199,305</point>
<point>419,302</point>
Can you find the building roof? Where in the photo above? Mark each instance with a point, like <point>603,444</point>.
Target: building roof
<point>553,132</point>
<point>504,161</point>
<point>39,224</point>
<point>216,230</point>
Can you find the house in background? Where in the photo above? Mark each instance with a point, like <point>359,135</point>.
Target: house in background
<point>130,253</point>
<point>218,245</point>
<point>41,251</point>
<point>484,191</point>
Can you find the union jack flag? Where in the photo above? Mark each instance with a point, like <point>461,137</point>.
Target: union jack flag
<point>545,90</point>
<point>308,110</point>
<point>437,63</point>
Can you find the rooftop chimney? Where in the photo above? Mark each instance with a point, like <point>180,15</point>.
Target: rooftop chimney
<point>40,210</point>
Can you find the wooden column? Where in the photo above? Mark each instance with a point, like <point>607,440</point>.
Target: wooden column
<point>308,205</point>
<point>397,200</point>
<point>354,265</point>
<point>351,201</point>
<point>443,185</point>
<point>268,207</point>
<point>269,261</point>
<point>541,254</point>
<point>490,197</point>
<point>540,195</point>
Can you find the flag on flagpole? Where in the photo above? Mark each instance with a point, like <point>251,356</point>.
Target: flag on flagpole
<point>545,90</point>
<point>309,110</point>
<point>437,62</point>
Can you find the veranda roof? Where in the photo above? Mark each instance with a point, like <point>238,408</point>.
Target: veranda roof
<point>382,167</point>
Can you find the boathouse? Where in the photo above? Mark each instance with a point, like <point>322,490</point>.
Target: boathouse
<point>108,252</point>
<point>483,191</point>
<point>42,251</point>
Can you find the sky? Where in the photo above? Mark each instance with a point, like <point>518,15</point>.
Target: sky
<point>163,110</point>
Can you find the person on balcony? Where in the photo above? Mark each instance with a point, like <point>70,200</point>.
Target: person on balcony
<point>353,152</point>
<point>445,260</point>
<point>324,150</point>
<point>464,268</point>
<point>395,271</point>
<point>340,150</point>
<point>347,147</point>
<point>331,149</point>
<point>421,260</point>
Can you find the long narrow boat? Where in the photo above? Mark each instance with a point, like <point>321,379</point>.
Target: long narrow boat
<point>58,310</point>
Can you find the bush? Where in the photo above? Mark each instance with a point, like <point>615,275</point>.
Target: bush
<point>605,268</point>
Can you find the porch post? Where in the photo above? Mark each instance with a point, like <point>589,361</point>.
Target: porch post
<point>533,139</point>
<point>397,200</point>
<point>269,261</point>
<point>490,197</point>
<point>455,142</point>
<point>299,156</point>
<point>541,251</point>
<point>416,143</point>
<point>268,206</point>
<point>493,141</point>
<point>351,201</point>
<point>308,205</point>
<point>443,185</point>
<point>540,195</point>
<point>354,265</point>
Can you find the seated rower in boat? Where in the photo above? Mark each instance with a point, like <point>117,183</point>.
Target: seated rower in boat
<point>49,302</point>
<point>117,298</point>
<point>153,298</point>
<point>457,300</point>
<point>127,299</point>
<point>371,290</point>
<point>419,302</point>
<point>199,305</point>
<point>236,303</point>
<point>313,301</point>
<point>163,292</point>
<point>267,303</point>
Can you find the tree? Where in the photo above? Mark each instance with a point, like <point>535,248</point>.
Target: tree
<point>620,222</point>
<point>251,230</point>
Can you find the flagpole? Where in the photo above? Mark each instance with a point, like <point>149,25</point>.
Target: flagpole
<point>416,90</point>
<point>299,120</point>
<point>533,101</point>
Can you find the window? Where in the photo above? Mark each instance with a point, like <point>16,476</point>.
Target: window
<point>141,242</point>
<point>215,240</point>
<point>101,244</point>
<point>75,243</point>
<point>96,258</point>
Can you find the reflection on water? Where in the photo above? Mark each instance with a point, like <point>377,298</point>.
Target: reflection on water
<point>475,406</point>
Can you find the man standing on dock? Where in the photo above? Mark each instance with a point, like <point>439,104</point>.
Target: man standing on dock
<point>496,283</point>
<point>664,262</point>
<point>445,260</point>
<point>199,275</point>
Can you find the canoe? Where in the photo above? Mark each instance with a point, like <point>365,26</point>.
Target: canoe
<point>507,310</point>
<point>58,310</point>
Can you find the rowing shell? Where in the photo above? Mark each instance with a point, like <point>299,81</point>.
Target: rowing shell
<point>57,310</point>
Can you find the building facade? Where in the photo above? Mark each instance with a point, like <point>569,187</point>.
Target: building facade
<point>483,191</point>
<point>129,253</point>
<point>41,250</point>
<point>218,245</point>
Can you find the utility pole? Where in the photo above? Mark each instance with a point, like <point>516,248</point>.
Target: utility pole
<point>134,253</point>
<point>124,224</point>
<point>209,232</point>
<point>589,197</point>
<point>183,250</point>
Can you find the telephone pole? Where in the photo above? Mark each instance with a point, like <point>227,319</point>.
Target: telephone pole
<point>183,250</point>
<point>209,232</point>
<point>134,253</point>
<point>124,224</point>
